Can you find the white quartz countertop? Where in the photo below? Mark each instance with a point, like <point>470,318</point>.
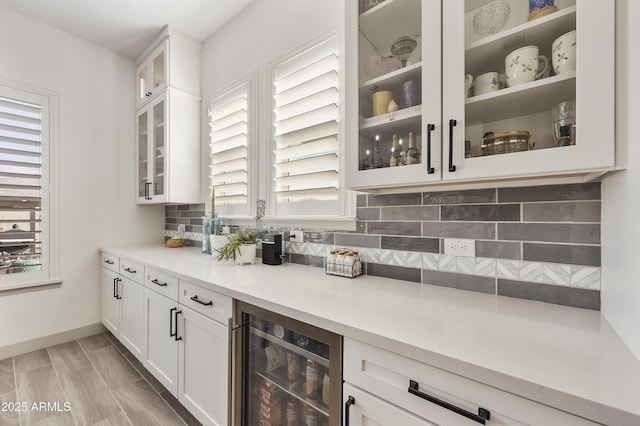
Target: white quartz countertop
<point>564,357</point>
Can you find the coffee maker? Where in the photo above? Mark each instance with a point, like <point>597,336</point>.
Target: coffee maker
<point>272,249</point>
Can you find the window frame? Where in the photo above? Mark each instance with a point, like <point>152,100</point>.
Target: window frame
<point>344,218</point>
<point>50,271</point>
<point>253,171</point>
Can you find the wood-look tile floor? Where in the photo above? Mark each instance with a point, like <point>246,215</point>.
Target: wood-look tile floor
<point>90,381</point>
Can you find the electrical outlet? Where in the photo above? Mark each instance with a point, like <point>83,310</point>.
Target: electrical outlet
<point>181,227</point>
<point>296,236</point>
<point>459,247</point>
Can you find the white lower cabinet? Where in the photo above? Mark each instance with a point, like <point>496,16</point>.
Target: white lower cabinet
<point>110,301</point>
<point>122,310</point>
<point>364,409</point>
<point>187,344</point>
<point>162,347</point>
<point>132,333</point>
<point>388,388</point>
<point>203,376</point>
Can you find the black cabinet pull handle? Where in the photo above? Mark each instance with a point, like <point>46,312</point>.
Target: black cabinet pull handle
<point>156,282</point>
<point>176,320</point>
<point>430,128</point>
<point>147,192</point>
<point>171,332</point>
<point>129,270</point>
<point>109,262</point>
<point>482,416</point>
<point>195,299</point>
<point>452,124</point>
<point>350,401</point>
<point>116,289</point>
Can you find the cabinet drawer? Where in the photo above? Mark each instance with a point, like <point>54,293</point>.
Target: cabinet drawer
<point>388,376</point>
<point>366,409</point>
<point>162,283</point>
<point>132,270</point>
<point>209,303</point>
<point>111,262</point>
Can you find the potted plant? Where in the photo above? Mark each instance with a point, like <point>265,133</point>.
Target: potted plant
<point>218,240</point>
<point>240,247</point>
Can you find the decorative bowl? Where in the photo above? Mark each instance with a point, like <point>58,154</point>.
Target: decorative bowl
<point>490,18</point>
<point>506,142</point>
<point>380,65</point>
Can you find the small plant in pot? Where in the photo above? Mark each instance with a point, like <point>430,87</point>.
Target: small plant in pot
<point>240,247</point>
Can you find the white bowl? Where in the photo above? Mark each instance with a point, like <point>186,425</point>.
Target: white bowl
<point>490,18</point>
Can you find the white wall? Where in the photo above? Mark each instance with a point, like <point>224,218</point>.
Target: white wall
<point>97,170</point>
<point>621,191</point>
<point>263,32</point>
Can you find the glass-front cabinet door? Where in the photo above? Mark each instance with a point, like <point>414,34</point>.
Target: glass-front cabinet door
<point>527,88</point>
<point>152,155</point>
<point>478,90</point>
<point>393,92</point>
<point>159,136</point>
<point>142,133</point>
<point>151,75</point>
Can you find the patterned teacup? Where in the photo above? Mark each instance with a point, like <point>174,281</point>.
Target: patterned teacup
<point>486,83</point>
<point>563,55</point>
<point>522,65</point>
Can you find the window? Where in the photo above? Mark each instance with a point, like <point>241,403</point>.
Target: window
<point>24,187</point>
<point>307,131</point>
<point>231,145</point>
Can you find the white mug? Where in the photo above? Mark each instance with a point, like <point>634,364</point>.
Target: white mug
<point>563,56</point>
<point>522,65</point>
<point>468,82</point>
<point>486,83</point>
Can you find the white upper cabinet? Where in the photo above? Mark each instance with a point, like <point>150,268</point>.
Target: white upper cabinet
<point>374,77</point>
<point>469,122</point>
<point>168,148</point>
<point>168,122</point>
<point>173,60</point>
<point>152,74</point>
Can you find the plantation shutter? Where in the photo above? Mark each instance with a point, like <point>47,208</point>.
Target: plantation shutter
<point>21,191</point>
<point>306,126</point>
<point>229,121</point>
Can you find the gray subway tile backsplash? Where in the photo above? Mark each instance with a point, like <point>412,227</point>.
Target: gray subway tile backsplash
<point>425,245</point>
<point>477,231</point>
<point>306,259</point>
<point>412,199</point>
<point>559,295</point>
<point>546,234</point>
<point>571,211</point>
<point>460,197</point>
<point>319,237</point>
<point>357,240</point>
<point>459,281</point>
<point>583,191</point>
<point>481,213</point>
<point>562,253</point>
<point>499,249</point>
<point>410,213</point>
<point>369,213</point>
<point>395,228</point>
<point>395,272</point>
<point>550,232</point>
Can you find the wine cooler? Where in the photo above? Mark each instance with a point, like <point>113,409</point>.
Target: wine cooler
<point>285,372</point>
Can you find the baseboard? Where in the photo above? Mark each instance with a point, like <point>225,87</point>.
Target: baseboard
<point>51,340</point>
